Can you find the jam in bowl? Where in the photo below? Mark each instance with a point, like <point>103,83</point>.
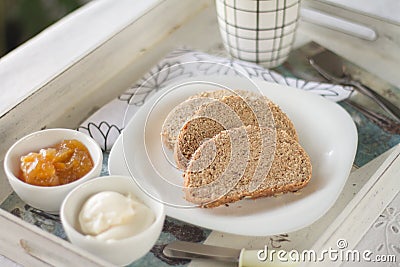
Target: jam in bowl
<point>40,176</point>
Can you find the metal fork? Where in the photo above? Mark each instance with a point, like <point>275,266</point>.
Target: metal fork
<point>385,104</point>
<point>384,122</point>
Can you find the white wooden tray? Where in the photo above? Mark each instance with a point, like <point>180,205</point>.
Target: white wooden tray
<point>99,50</point>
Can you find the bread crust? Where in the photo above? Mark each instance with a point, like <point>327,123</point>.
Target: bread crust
<point>177,118</point>
<point>291,170</point>
<point>187,109</point>
<point>229,112</point>
<point>286,168</point>
<point>282,121</point>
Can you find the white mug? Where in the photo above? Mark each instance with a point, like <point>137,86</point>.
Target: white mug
<point>259,31</point>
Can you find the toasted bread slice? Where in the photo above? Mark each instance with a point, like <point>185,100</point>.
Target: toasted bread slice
<point>282,121</point>
<point>233,173</point>
<point>178,117</point>
<point>185,111</point>
<point>213,117</point>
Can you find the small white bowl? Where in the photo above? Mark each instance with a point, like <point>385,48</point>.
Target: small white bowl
<point>119,252</point>
<point>47,198</point>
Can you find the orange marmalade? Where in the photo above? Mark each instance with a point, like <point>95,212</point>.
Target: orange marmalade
<point>59,164</point>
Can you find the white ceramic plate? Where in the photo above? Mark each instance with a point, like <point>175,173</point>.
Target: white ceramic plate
<point>325,130</point>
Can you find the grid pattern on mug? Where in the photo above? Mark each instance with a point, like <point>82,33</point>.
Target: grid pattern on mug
<point>260,31</point>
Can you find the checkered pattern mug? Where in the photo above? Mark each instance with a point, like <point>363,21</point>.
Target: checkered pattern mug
<point>259,31</point>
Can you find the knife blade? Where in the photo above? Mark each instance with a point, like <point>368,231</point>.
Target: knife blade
<point>244,257</point>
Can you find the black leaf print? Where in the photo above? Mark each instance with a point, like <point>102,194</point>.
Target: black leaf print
<point>271,76</point>
<point>251,71</point>
<point>159,77</point>
<point>226,66</point>
<point>212,68</point>
<point>102,131</point>
<point>323,89</point>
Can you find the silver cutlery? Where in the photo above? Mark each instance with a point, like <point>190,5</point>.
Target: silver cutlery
<point>384,122</point>
<point>330,66</point>
<point>243,257</point>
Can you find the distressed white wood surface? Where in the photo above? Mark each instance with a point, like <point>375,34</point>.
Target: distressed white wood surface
<point>384,9</point>
<point>380,57</point>
<point>97,77</point>
<point>305,238</point>
<point>88,60</point>
<point>30,246</point>
<point>33,64</point>
<point>357,217</point>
